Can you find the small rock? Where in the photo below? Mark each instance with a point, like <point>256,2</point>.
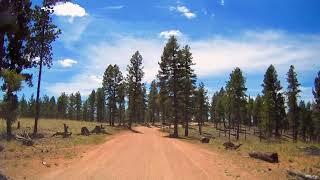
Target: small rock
<point>205,140</point>
<point>269,169</point>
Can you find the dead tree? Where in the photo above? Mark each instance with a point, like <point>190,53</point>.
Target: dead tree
<point>64,134</point>
<point>300,175</point>
<point>231,146</point>
<point>85,131</point>
<point>24,138</point>
<point>269,157</point>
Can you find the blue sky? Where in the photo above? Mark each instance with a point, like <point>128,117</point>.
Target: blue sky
<point>222,34</point>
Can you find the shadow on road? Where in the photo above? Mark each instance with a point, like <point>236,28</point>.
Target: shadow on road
<point>135,131</point>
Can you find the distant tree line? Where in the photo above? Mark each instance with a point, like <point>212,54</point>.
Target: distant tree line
<point>175,98</point>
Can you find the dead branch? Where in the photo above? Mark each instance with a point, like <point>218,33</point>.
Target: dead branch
<point>24,138</point>
<point>65,133</point>
<point>231,146</point>
<point>302,176</point>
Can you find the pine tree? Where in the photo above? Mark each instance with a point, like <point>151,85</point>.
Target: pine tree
<point>44,32</point>
<point>85,111</point>
<point>62,106</point>
<point>100,98</point>
<point>71,107</point>
<point>23,107</point>
<point>78,105</point>
<point>165,104</point>
<point>257,111</point>
<point>14,54</point>
<point>45,106</point>
<point>111,81</point>
<point>305,120</point>
<point>170,81</point>
<point>121,94</point>
<point>134,78</point>
<point>188,85</point>
<point>220,107</point>
<point>316,111</point>
<point>293,94</point>
<point>53,108</point>
<point>152,102</point>
<point>143,103</point>
<point>236,92</point>
<point>271,88</point>
<point>92,105</point>
<point>31,106</point>
<point>9,107</point>
<point>201,103</point>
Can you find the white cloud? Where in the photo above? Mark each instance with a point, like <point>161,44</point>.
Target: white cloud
<point>114,7</point>
<point>167,34</point>
<point>184,11</point>
<point>214,56</point>
<point>70,10</point>
<point>67,62</point>
<point>222,2</point>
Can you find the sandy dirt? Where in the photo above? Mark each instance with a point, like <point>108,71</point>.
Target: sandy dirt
<point>148,154</point>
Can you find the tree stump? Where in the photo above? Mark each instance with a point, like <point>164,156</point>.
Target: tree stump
<point>18,125</point>
<point>85,131</point>
<point>269,157</point>
<point>65,133</point>
<point>205,140</point>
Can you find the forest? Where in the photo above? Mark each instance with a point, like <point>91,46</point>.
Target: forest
<point>175,98</point>
<point>146,121</point>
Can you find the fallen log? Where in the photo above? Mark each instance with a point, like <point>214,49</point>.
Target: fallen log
<point>85,131</point>
<point>302,176</point>
<point>205,140</point>
<point>231,146</point>
<point>269,157</point>
<point>65,133</point>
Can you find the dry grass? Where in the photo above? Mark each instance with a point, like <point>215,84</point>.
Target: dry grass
<point>16,156</point>
<point>290,154</point>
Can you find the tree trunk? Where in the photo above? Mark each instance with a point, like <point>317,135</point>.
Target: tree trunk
<point>35,129</point>
<point>9,129</point>
<point>110,116</point>
<point>1,46</point>
<point>186,127</point>
<point>175,128</point>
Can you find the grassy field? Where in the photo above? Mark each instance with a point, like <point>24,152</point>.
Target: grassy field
<point>290,154</point>
<point>16,156</point>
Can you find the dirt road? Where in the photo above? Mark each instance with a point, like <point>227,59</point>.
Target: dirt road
<point>149,155</point>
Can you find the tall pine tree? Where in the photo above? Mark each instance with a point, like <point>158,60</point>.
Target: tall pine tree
<point>293,94</point>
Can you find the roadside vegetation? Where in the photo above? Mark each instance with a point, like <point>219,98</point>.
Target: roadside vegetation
<point>48,149</point>
<point>291,155</point>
